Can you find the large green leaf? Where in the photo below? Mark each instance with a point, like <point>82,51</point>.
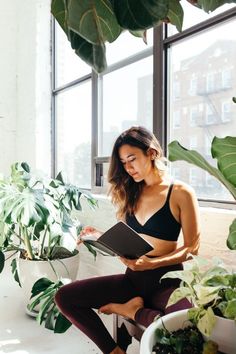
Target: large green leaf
<point>138,15</point>
<point>176,14</point>
<point>224,150</point>
<point>87,25</point>
<point>231,241</point>
<point>178,153</point>
<point>211,5</point>
<point>94,20</point>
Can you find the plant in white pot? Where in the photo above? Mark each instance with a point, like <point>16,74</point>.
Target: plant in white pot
<point>211,288</point>
<point>37,222</point>
<point>212,291</point>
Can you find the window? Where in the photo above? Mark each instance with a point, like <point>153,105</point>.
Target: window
<point>176,119</point>
<point>185,97</point>
<point>226,78</point>
<point>226,111</point>
<point>193,85</point>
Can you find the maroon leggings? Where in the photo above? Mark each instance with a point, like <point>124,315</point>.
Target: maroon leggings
<point>77,300</point>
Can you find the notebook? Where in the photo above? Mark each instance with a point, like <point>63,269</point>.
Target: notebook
<point>120,240</point>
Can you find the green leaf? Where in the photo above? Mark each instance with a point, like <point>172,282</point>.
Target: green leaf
<point>176,14</point>
<point>14,271</point>
<point>140,15</point>
<point>141,34</point>
<point>211,5</point>
<point>62,324</point>
<point>2,261</point>
<point>234,99</point>
<point>224,149</point>
<point>179,294</point>
<point>230,311</point>
<point>206,294</point>
<point>94,21</point>
<point>185,275</point>
<point>58,9</point>
<point>178,152</point>
<point>40,285</point>
<point>206,322</point>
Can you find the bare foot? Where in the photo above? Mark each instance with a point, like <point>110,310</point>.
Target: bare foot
<point>128,309</point>
<point>117,350</point>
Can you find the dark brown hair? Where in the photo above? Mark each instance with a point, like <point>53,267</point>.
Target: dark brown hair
<point>124,190</point>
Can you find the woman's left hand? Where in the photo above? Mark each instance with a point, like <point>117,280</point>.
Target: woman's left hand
<point>142,263</point>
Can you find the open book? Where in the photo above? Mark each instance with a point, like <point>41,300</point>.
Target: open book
<point>120,240</point>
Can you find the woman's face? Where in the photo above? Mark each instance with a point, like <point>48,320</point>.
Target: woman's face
<point>135,162</point>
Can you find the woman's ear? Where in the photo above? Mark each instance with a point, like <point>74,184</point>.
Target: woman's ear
<point>152,153</point>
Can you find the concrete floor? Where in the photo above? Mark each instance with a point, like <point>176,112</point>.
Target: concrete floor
<point>21,334</point>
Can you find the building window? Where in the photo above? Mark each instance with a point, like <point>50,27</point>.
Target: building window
<point>226,111</point>
<point>226,78</point>
<point>176,119</point>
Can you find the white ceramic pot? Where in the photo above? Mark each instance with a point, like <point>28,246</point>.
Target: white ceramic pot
<point>224,332</point>
<point>30,271</point>
<point>172,321</point>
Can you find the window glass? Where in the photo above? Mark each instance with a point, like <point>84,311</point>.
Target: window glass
<point>69,66</point>
<point>127,45</point>
<point>208,82</point>
<point>194,15</point>
<point>73,130</point>
<point>126,101</point>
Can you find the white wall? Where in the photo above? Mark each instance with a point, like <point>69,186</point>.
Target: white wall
<point>25,100</point>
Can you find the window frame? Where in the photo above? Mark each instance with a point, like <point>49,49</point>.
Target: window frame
<point>161,43</point>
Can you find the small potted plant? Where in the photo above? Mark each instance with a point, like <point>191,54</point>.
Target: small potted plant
<point>37,222</point>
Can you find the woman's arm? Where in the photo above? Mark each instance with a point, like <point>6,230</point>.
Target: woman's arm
<point>185,200</point>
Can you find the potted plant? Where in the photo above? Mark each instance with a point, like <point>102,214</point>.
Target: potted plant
<point>210,288</point>
<point>88,25</point>
<point>37,222</point>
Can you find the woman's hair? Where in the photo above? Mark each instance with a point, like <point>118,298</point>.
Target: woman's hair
<point>124,190</point>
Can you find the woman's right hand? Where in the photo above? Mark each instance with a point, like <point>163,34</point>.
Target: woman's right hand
<point>88,230</point>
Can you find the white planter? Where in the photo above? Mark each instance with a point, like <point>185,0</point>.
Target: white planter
<point>30,271</point>
<point>224,332</point>
<point>172,321</point>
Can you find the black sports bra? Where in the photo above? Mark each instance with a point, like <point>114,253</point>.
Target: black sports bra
<point>161,224</point>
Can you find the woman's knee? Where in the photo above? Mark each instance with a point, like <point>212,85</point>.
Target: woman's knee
<point>62,297</point>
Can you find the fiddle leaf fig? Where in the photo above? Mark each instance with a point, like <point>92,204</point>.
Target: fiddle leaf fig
<point>209,6</point>
<point>94,21</point>
<point>176,14</point>
<point>224,150</point>
<point>138,15</point>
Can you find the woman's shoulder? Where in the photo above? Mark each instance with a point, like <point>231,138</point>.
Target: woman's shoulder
<point>182,189</point>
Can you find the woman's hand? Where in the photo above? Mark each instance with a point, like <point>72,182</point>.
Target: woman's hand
<point>89,231</point>
<point>140,264</point>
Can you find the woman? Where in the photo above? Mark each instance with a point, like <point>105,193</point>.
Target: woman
<point>148,201</point>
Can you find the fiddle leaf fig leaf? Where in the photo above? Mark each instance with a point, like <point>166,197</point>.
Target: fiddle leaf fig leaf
<point>176,14</point>
<point>224,150</point>
<point>209,6</point>
<point>138,15</point>
<point>231,241</point>
<point>93,54</point>
<point>94,21</point>
<point>178,153</point>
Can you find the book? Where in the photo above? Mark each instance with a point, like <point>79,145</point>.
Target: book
<point>120,240</point>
